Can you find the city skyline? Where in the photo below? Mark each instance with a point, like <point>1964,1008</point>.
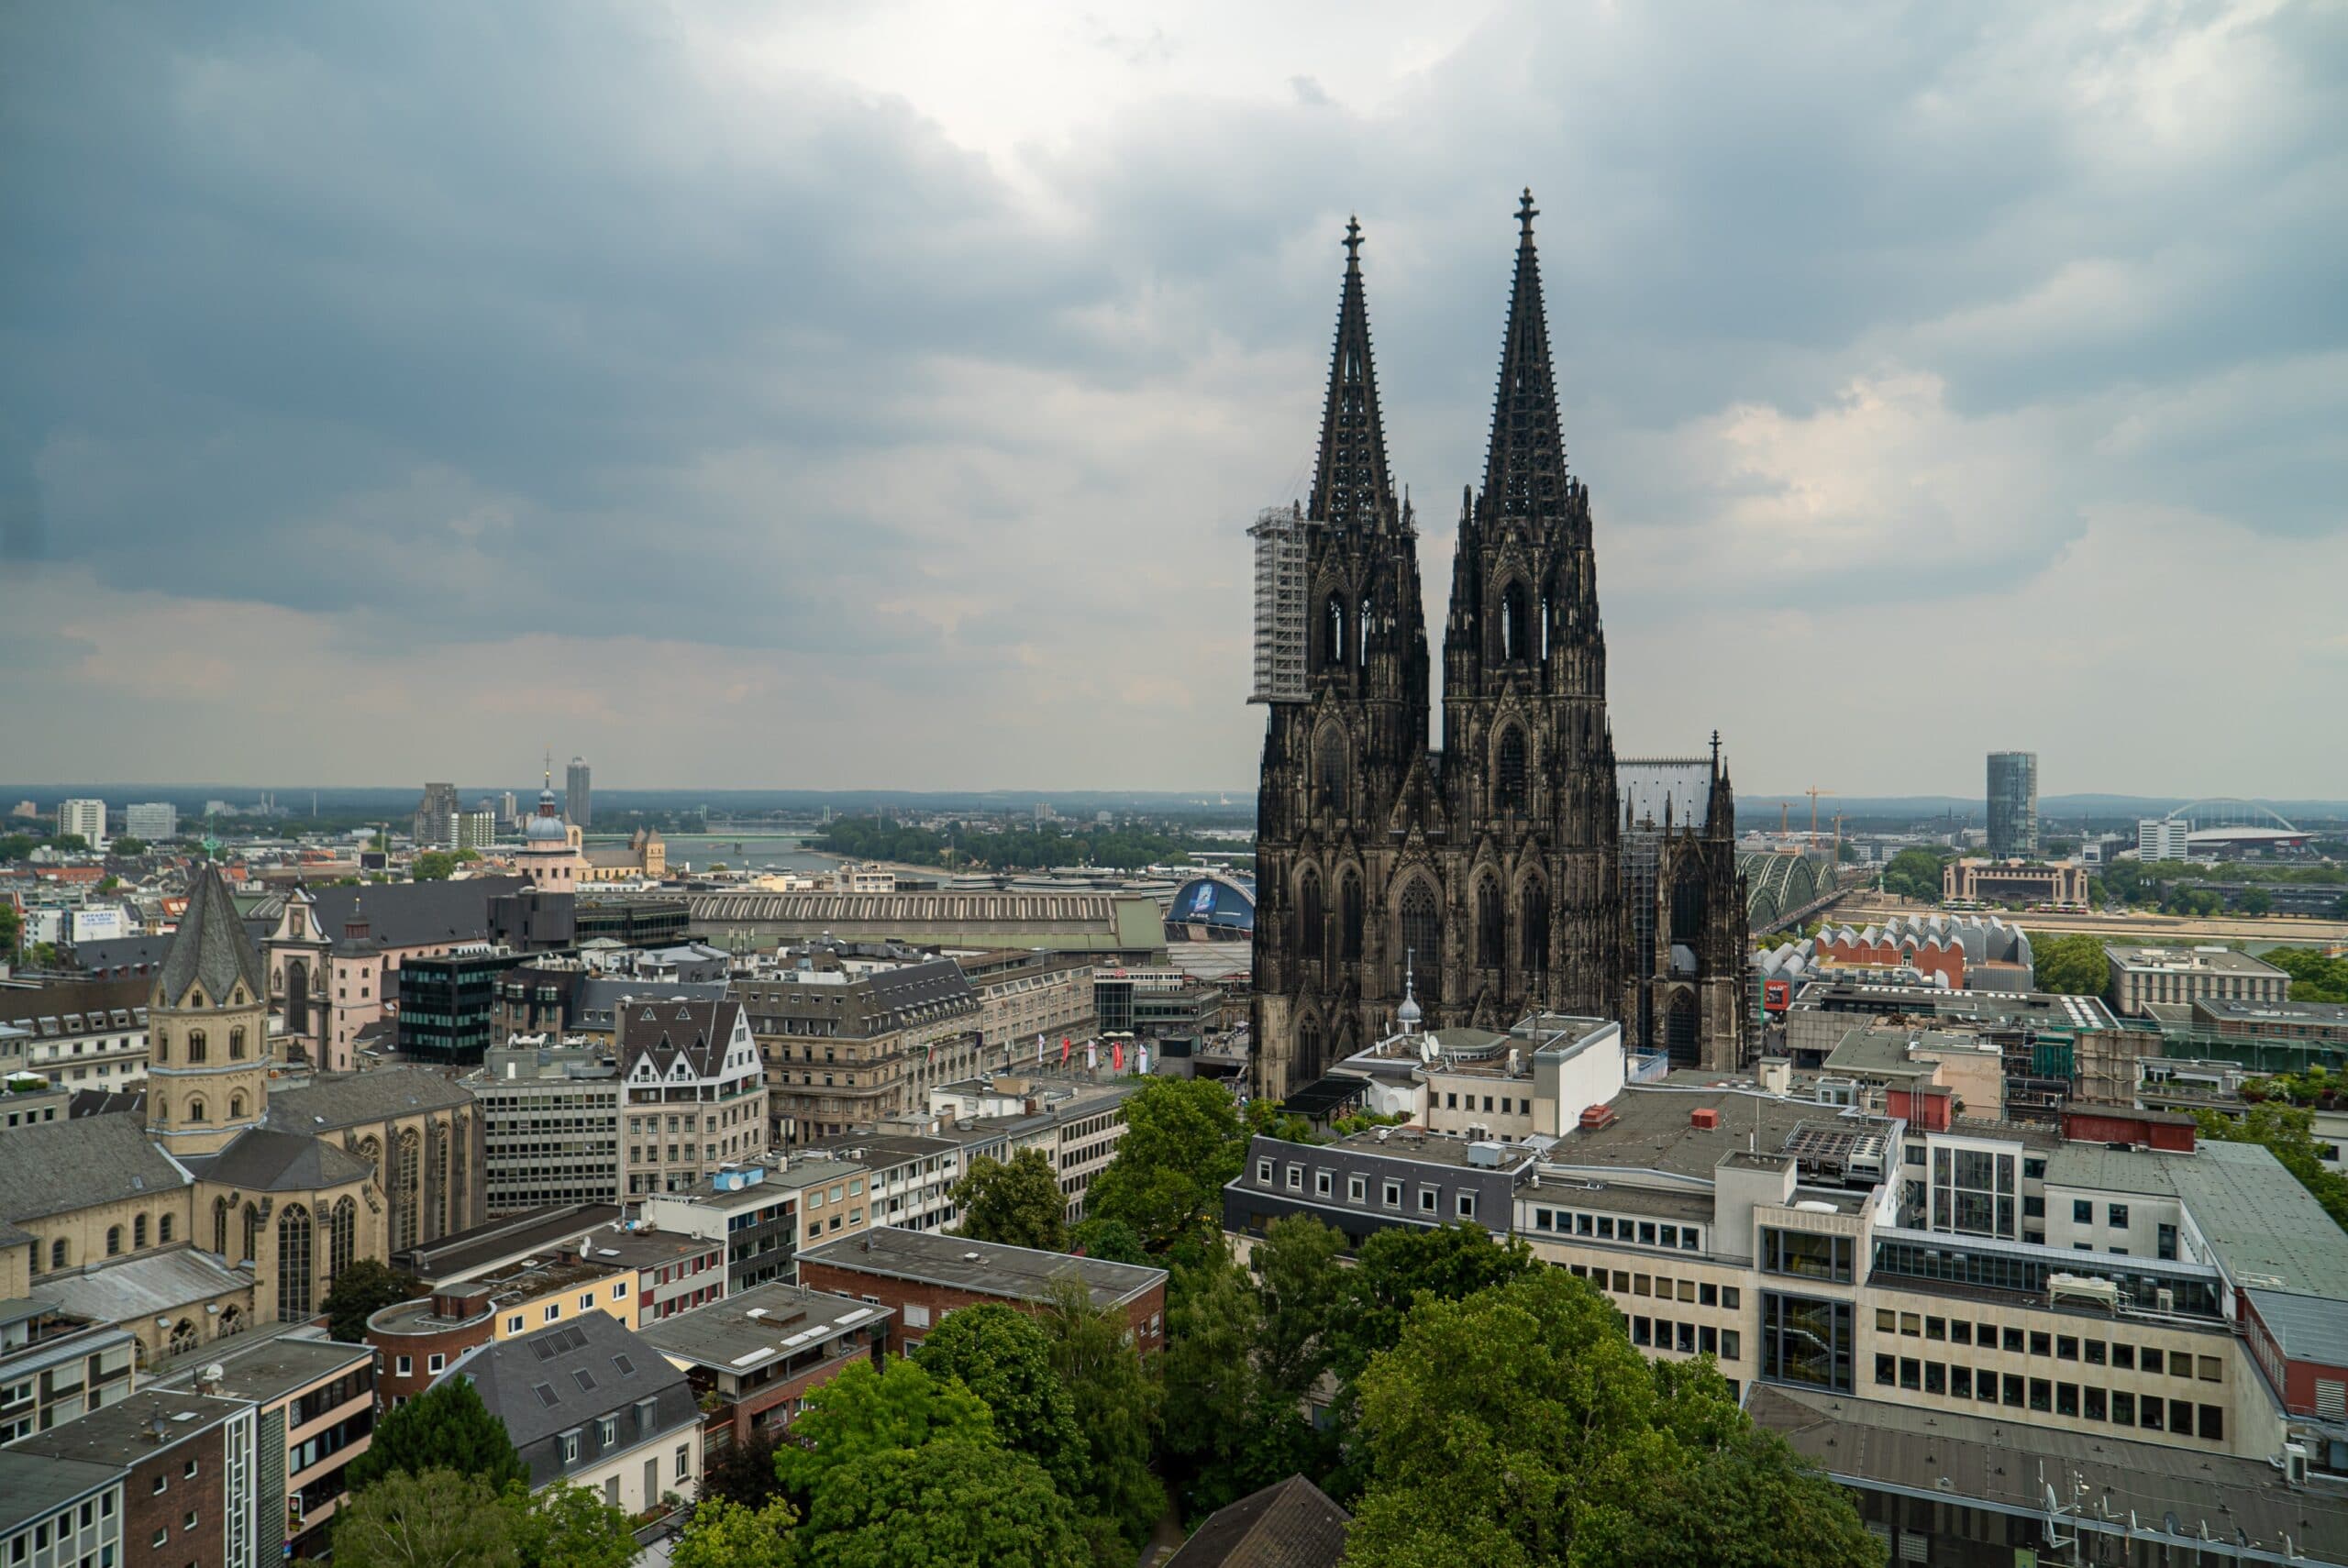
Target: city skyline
<point>782,402</point>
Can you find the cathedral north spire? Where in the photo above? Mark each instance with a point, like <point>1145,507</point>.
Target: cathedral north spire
<point>1350,484</point>
<point>1524,466</point>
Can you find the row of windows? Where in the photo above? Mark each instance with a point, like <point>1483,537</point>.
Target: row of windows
<point>2149,1413</point>
<point>1689,1338</point>
<point>1702,1293</point>
<point>2119,1353</point>
<point>1358,1191</point>
<point>64,1527</point>
<point>1606,1227</point>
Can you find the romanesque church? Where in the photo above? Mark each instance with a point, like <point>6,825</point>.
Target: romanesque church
<point>1522,867</point>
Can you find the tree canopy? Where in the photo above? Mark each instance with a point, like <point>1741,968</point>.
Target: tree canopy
<point>1462,1422</point>
<point>1117,1404</point>
<point>1004,1357</point>
<point>864,1411</point>
<point>724,1534</point>
<point>364,1287</point>
<point>941,1505</point>
<point>2072,965</point>
<point>1019,1203</point>
<point>566,1526</point>
<point>445,1427</point>
<point>433,865</point>
<point>2314,977</point>
<point>435,1519</point>
<point>1183,1141</point>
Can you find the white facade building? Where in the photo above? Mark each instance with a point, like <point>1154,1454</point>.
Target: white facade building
<point>87,818</point>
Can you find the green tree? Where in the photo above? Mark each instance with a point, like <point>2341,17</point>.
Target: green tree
<point>365,1287</point>
<point>467,857</point>
<point>437,1518</point>
<point>1118,1406</point>
<point>941,1505</point>
<point>1183,1140</point>
<point>1004,1357</point>
<point>1112,1240</point>
<point>2314,977</point>
<point>2070,965</point>
<point>433,865</point>
<point>12,929</point>
<point>15,846</point>
<point>1461,1419</point>
<point>1228,1430</point>
<point>445,1427</point>
<point>1301,1283</point>
<point>127,844</point>
<point>744,1473</point>
<point>109,882</point>
<point>1396,1268</point>
<point>2254,903</point>
<point>69,842</point>
<point>568,1527</point>
<point>724,1534</point>
<point>1019,1203</point>
<point>863,1412</point>
<point>1914,874</point>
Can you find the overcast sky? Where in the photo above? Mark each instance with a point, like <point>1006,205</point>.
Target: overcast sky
<point>873,394</point>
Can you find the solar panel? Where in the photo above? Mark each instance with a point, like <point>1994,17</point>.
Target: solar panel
<point>545,1391</point>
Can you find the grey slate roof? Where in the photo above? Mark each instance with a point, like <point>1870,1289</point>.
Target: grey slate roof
<point>2308,1328</point>
<point>409,915</point>
<point>563,1378</point>
<point>33,1485</point>
<point>54,1167</point>
<point>352,1099</point>
<point>1290,1524</point>
<point>158,1285</point>
<point>266,1160</point>
<point>121,951</point>
<point>655,1026</point>
<point>211,947</point>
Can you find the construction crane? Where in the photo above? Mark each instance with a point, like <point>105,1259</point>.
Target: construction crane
<point>1814,792</point>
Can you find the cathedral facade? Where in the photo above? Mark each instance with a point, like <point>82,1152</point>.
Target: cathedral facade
<point>1509,872</point>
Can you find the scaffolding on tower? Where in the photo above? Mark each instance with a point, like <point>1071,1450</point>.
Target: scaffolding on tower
<point>1281,619</point>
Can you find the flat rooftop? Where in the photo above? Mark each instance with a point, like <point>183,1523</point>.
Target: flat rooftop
<point>2211,960</point>
<point>1421,1148</point>
<point>2050,1009</point>
<point>2230,1009</point>
<point>122,1433</point>
<point>989,1268</point>
<point>2267,1230</point>
<point>751,1326</point>
<point>1998,1463</point>
<point>35,1484</point>
<point>270,1369</point>
<point>514,1235</point>
<point>1654,1130</point>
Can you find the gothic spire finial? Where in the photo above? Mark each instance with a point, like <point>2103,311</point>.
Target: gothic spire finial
<point>1350,484</point>
<point>1524,466</point>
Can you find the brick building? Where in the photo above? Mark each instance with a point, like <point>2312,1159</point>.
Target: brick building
<point>922,1276</point>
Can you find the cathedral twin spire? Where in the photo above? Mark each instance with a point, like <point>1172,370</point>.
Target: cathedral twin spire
<point>1350,484</point>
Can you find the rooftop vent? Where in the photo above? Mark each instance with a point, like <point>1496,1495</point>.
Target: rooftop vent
<point>1705,1118</point>
<point>1597,1116</point>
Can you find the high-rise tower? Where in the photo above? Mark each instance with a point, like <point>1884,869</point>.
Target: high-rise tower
<point>207,1024</point>
<point>579,797</point>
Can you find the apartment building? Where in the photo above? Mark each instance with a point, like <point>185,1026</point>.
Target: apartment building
<point>56,1365</point>
<point>1023,994</point>
<point>2106,1280</point>
<point>79,1034</point>
<point>591,1403</point>
<point>695,1092</point>
<point>550,1123</point>
<point>415,1342</point>
<point>846,1047</point>
<point>764,1211</point>
<point>920,1277</point>
<point>756,1356</point>
<point>1074,1121</point>
<point>59,1513</point>
<point>191,1491</point>
<point>2143,976</point>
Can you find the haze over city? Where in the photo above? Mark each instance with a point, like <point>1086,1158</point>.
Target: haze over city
<point>879,397</point>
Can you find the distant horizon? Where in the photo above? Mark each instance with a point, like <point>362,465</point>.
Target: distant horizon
<point>294,795</point>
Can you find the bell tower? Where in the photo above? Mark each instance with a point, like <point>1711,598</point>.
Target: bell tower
<point>208,1027</point>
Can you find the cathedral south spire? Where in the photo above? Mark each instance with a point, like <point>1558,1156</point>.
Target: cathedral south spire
<point>1524,468</point>
<point>1350,484</point>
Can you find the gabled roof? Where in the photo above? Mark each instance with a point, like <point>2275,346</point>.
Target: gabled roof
<point>565,1376</point>
<point>411,915</point>
<point>1290,1524</point>
<point>54,1167</point>
<point>351,1099</point>
<point>664,1028</point>
<point>210,947</point>
<point>263,1159</point>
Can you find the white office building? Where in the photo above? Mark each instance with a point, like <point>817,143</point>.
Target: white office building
<point>87,818</point>
<point>2162,838</point>
<point>157,822</point>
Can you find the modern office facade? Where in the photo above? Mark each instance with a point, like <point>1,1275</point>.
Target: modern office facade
<point>2142,977</point>
<point>157,822</point>
<point>85,818</point>
<point>550,1124</point>
<point>2013,804</point>
<point>579,795</point>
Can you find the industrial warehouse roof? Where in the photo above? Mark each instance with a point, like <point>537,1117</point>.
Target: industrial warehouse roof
<point>1074,922</point>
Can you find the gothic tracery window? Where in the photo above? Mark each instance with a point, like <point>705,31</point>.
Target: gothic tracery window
<point>1330,767</point>
<point>294,1277</point>
<point>1489,934</point>
<point>1308,1049</point>
<point>1312,917</point>
<point>1534,927</point>
<point>407,1201</point>
<point>1349,916</point>
<point>1509,771</point>
<point>1333,633</point>
<point>1516,624</point>
<point>1420,928</point>
<point>342,1238</point>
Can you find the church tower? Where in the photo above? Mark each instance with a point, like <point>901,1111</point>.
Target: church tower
<point>1535,916</point>
<point>207,1025</point>
<point>1345,786</point>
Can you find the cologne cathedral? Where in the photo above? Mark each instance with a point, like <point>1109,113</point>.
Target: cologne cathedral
<point>1521,868</point>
